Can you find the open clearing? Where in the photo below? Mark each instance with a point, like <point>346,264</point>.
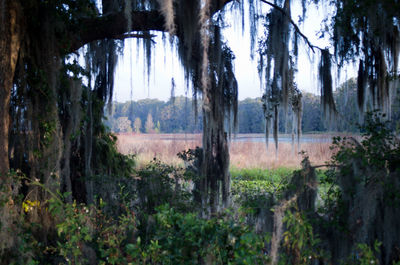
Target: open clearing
<point>246,150</point>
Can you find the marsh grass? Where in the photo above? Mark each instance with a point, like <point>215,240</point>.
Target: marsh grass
<point>258,174</point>
<point>243,154</point>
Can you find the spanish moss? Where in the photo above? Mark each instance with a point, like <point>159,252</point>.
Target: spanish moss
<point>128,15</point>
<point>275,50</point>
<point>375,39</point>
<point>167,9</point>
<point>325,78</point>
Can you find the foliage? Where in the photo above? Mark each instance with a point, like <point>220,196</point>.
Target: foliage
<point>272,175</point>
<point>251,188</point>
<point>346,104</point>
<point>149,125</point>
<point>252,195</point>
<point>366,255</point>
<point>108,160</point>
<point>158,184</point>
<point>360,191</point>
<point>86,234</point>
<point>378,149</point>
<point>124,124</point>
<point>175,115</point>
<point>301,245</point>
<point>330,203</point>
<point>187,239</point>
<point>17,244</point>
<point>137,125</point>
<point>250,117</point>
<point>364,162</point>
<point>312,114</point>
<point>57,138</point>
<point>178,115</point>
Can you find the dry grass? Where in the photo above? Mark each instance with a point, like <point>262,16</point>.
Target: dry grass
<point>243,154</point>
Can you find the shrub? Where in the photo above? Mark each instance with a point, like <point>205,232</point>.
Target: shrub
<point>188,239</point>
<point>88,236</point>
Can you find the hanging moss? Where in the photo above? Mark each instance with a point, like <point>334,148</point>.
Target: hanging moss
<point>56,119</point>
<point>370,30</point>
<point>325,77</point>
<point>128,14</point>
<point>208,64</point>
<point>167,9</point>
<point>275,49</point>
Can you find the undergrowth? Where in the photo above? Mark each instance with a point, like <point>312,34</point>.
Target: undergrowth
<point>154,218</point>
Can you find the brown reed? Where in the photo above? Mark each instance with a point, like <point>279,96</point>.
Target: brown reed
<point>243,154</point>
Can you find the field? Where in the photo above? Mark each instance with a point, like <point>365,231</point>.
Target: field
<point>246,151</point>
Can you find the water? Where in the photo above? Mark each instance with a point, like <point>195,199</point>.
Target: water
<point>253,138</point>
<point>283,139</point>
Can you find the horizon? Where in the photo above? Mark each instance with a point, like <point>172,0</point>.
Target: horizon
<point>190,98</point>
<point>133,80</point>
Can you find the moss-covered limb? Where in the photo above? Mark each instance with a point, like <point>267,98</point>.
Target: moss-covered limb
<point>115,24</point>
<point>72,119</point>
<point>67,27</point>
<point>222,102</point>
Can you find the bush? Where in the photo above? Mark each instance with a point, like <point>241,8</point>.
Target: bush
<point>88,236</point>
<point>158,184</point>
<point>188,239</point>
<point>253,189</point>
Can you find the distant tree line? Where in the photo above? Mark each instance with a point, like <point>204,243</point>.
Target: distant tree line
<point>152,115</point>
<point>177,115</point>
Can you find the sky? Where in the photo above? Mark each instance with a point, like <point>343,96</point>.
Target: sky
<point>132,82</point>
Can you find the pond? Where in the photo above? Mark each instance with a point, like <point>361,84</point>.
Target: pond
<point>284,138</point>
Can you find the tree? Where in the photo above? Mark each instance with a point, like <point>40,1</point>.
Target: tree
<point>79,23</point>
<point>10,42</point>
<point>149,125</point>
<point>250,117</point>
<point>39,36</point>
<point>346,102</point>
<point>312,113</point>
<point>52,107</point>
<point>124,124</point>
<point>137,125</point>
<point>157,129</point>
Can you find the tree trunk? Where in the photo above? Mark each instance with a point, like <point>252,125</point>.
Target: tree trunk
<point>88,152</point>
<point>10,42</point>
<point>215,185</point>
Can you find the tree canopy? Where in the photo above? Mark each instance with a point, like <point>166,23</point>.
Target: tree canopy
<point>51,120</point>
<point>57,65</point>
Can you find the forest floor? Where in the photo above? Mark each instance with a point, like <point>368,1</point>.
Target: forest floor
<point>246,150</point>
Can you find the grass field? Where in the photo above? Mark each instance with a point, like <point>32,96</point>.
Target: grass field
<point>243,153</point>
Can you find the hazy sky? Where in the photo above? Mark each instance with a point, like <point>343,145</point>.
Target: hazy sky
<point>132,83</point>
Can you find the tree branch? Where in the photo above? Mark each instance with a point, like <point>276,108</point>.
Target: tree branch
<point>136,35</point>
<point>296,28</point>
<point>114,25</point>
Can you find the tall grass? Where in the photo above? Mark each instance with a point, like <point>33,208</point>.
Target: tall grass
<point>243,154</point>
